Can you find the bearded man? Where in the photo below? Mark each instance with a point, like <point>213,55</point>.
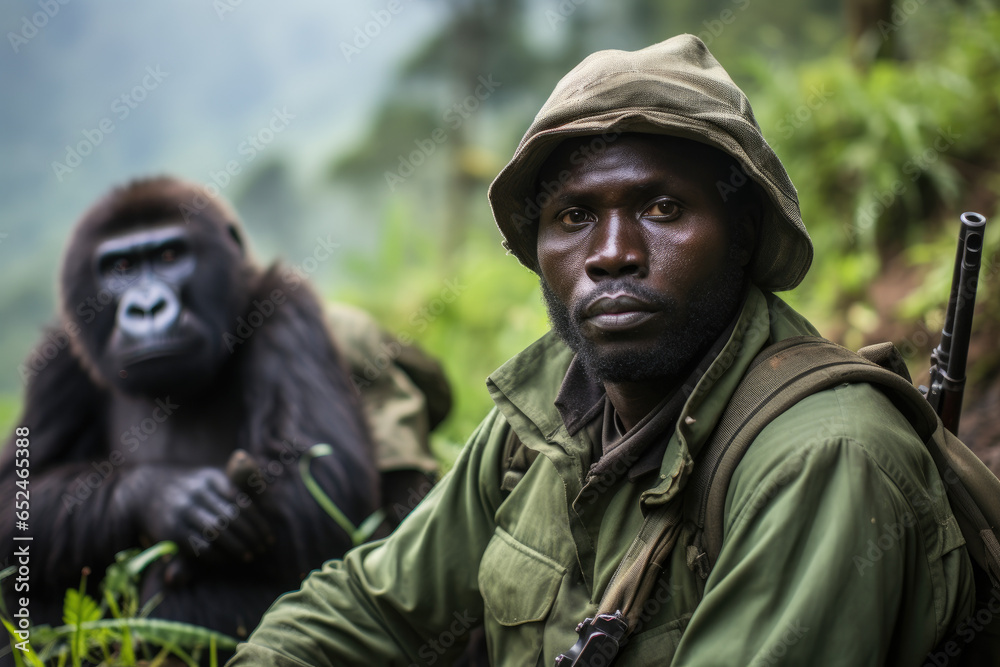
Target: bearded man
<point>660,224</point>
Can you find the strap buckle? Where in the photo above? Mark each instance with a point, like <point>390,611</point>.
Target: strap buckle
<point>602,636</point>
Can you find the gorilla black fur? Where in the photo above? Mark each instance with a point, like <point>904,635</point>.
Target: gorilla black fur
<point>168,373</point>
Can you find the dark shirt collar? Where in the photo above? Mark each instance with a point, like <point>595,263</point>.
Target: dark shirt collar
<point>580,398</point>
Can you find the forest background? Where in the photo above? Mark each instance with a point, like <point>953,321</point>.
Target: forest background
<point>884,113</point>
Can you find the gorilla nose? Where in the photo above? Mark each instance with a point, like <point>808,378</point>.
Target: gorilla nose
<point>147,309</point>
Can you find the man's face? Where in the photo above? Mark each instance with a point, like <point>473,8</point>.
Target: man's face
<point>636,252</point>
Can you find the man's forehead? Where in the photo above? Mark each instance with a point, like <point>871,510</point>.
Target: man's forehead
<point>578,155</point>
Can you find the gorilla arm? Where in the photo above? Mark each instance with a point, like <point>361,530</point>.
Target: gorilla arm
<point>298,394</point>
<point>294,394</point>
<point>88,502</point>
<point>70,484</point>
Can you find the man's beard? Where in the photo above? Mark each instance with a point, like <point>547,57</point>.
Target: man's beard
<point>679,346</point>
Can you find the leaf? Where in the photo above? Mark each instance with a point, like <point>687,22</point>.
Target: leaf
<point>317,492</point>
<point>21,657</point>
<point>137,564</point>
<point>157,631</point>
<point>77,610</point>
<point>80,608</point>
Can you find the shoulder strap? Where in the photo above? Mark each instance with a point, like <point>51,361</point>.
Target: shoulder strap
<point>778,378</point>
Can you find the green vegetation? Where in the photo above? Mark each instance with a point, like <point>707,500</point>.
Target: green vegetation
<point>472,312</point>
<point>884,159</point>
<point>360,533</point>
<point>10,406</point>
<point>115,631</point>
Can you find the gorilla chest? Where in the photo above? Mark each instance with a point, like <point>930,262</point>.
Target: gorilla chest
<point>198,432</point>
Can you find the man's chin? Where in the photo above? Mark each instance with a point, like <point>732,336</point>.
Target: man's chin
<point>628,363</point>
<point>648,352</point>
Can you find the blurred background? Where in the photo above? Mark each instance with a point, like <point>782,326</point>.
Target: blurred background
<point>374,128</point>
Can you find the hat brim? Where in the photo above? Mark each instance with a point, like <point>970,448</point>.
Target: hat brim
<point>783,249</point>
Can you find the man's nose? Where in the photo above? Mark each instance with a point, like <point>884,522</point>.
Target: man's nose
<point>617,249</point>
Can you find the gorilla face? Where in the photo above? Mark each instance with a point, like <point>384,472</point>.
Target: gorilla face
<point>156,334</point>
<point>153,300</point>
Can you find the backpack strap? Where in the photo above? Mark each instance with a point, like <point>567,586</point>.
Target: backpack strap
<point>974,493</point>
<point>792,369</point>
<point>779,377</point>
<point>888,357</point>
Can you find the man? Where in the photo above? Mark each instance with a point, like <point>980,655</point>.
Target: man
<point>660,223</point>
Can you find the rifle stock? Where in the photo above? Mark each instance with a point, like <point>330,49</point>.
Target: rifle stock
<point>950,357</point>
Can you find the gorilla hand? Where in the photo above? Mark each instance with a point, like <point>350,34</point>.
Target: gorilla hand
<point>204,513</point>
<point>241,469</point>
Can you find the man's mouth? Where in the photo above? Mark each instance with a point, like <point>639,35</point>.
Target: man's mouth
<point>617,312</point>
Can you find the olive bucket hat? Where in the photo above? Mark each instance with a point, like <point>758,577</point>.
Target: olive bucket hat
<point>677,88</point>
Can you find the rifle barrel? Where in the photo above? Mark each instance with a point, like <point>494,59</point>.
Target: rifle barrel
<point>973,224</point>
<point>940,355</point>
<point>950,358</point>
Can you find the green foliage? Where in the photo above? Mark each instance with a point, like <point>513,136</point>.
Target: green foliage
<point>359,534</point>
<point>10,405</point>
<point>80,608</point>
<point>884,160</point>
<point>882,157</point>
<point>89,636</point>
<point>473,312</point>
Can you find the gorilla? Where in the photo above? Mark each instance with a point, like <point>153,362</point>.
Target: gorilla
<point>174,402</point>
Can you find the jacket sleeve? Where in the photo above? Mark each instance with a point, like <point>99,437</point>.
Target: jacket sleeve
<point>831,556</point>
<point>410,598</point>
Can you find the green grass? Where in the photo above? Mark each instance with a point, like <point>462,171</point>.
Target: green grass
<point>10,410</point>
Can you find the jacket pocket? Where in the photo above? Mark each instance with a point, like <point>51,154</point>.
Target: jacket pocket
<point>519,586</point>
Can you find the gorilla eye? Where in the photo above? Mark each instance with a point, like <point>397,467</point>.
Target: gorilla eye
<point>121,264</point>
<point>171,253</point>
<point>663,210</point>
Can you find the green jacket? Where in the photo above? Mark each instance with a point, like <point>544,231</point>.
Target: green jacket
<point>840,547</point>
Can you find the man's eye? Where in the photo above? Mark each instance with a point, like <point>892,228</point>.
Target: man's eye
<point>663,210</point>
<point>574,216</point>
